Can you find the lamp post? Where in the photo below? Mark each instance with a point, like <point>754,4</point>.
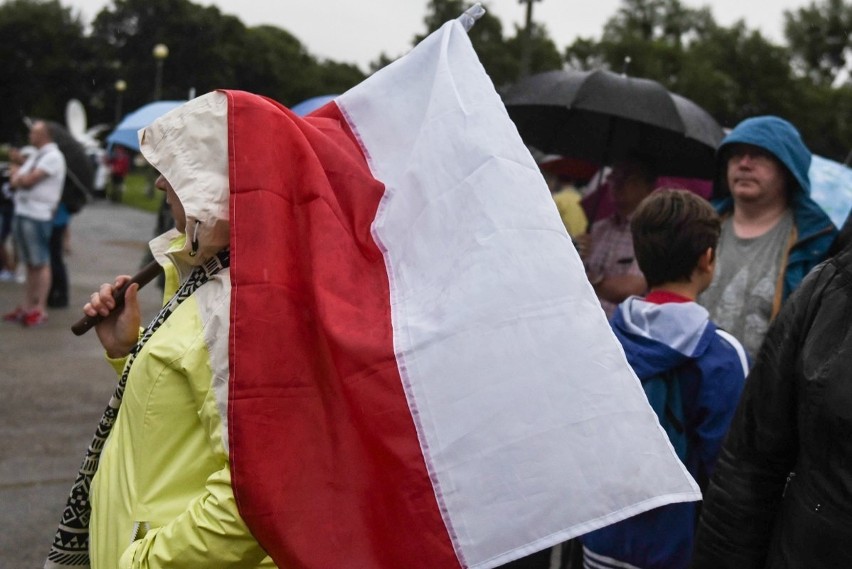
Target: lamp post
<point>526,45</point>
<point>160,52</point>
<point>120,88</point>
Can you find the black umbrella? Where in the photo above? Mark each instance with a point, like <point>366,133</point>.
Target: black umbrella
<point>80,172</point>
<point>602,117</point>
<point>76,159</point>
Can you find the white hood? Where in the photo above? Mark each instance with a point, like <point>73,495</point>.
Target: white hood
<point>189,146</point>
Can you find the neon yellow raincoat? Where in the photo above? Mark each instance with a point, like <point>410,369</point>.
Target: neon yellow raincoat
<point>162,495</point>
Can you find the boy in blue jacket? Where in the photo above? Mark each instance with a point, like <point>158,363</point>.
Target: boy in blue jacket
<point>675,234</point>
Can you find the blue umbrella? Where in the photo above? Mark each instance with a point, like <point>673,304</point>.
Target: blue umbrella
<point>310,105</point>
<point>125,133</point>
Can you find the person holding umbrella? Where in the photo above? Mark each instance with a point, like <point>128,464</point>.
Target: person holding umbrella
<point>611,264</point>
<point>773,233</point>
<point>609,119</point>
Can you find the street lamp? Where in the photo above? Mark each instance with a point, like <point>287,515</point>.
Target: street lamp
<point>526,45</point>
<point>120,88</point>
<point>160,52</point>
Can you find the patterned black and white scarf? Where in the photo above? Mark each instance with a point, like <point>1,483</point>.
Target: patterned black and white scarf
<point>70,547</point>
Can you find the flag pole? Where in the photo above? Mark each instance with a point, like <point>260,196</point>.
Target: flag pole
<point>148,273</point>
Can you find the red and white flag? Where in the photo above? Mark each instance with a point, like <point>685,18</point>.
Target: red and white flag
<point>421,375</point>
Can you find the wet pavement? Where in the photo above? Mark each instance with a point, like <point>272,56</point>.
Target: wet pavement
<point>54,385</point>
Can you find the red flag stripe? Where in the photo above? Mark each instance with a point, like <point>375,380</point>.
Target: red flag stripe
<point>315,388</point>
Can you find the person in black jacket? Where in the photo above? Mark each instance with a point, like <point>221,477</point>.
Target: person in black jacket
<point>781,495</point>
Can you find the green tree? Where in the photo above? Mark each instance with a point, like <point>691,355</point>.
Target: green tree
<point>209,50</point>
<point>544,55</point>
<point>500,57</point>
<point>335,77</point>
<point>273,62</point>
<point>276,64</point>
<point>731,72</point>
<point>50,59</point>
<point>824,118</point>
<point>646,38</point>
<point>741,74</point>
<point>734,72</point>
<point>46,61</point>
<point>820,37</point>
<point>654,20</point>
<point>204,46</point>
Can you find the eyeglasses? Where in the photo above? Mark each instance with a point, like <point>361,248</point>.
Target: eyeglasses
<point>756,153</point>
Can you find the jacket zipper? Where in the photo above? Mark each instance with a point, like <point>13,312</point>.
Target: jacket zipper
<point>140,529</point>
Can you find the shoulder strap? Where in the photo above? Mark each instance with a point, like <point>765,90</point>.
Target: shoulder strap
<point>737,346</point>
<point>674,402</point>
<point>70,547</point>
<point>664,396</point>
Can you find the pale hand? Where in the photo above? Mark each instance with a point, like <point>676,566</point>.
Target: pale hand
<point>119,330</point>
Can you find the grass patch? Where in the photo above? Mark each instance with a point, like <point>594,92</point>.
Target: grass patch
<point>139,192</point>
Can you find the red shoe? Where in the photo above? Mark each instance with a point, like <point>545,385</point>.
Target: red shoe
<point>34,318</point>
<point>16,315</point>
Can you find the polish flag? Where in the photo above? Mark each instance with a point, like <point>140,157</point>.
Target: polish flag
<point>421,375</point>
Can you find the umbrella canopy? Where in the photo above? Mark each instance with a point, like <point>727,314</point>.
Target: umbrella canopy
<point>602,117</point>
<point>125,133</point>
<point>310,105</point>
<point>77,161</point>
<point>831,188</point>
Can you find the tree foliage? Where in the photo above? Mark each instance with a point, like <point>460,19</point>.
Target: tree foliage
<point>37,76</point>
<point>500,56</point>
<point>54,59</point>
<point>202,46</point>
<point>820,37</point>
<point>732,72</point>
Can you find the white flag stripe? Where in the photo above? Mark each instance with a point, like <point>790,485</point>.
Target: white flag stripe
<point>535,428</point>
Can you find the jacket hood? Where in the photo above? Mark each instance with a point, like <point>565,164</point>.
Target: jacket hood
<point>774,135</point>
<point>189,146</point>
<point>659,337</point>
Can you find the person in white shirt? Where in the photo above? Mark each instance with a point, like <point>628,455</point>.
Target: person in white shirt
<point>37,189</point>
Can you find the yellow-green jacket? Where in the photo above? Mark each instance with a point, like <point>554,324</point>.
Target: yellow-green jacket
<point>162,494</point>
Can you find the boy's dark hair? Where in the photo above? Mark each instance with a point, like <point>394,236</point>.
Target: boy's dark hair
<point>671,229</point>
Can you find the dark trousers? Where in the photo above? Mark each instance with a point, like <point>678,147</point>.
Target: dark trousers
<point>58,295</point>
<point>571,558</point>
<point>539,560</point>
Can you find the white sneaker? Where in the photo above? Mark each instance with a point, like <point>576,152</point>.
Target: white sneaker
<point>7,276</point>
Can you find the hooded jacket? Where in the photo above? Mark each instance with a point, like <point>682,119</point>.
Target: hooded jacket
<point>813,232</point>
<point>162,495</point>
<point>781,496</point>
<point>711,367</point>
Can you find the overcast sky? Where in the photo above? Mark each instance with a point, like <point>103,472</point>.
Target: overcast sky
<point>357,32</point>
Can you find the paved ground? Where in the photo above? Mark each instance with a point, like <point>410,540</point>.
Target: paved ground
<point>54,385</point>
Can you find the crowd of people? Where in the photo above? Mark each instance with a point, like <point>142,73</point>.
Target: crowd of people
<point>745,308</point>
<point>39,194</point>
<point>732,312</point>
<point>704,301</point>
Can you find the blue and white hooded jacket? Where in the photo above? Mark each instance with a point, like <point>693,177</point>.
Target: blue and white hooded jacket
<point>711,366</point>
